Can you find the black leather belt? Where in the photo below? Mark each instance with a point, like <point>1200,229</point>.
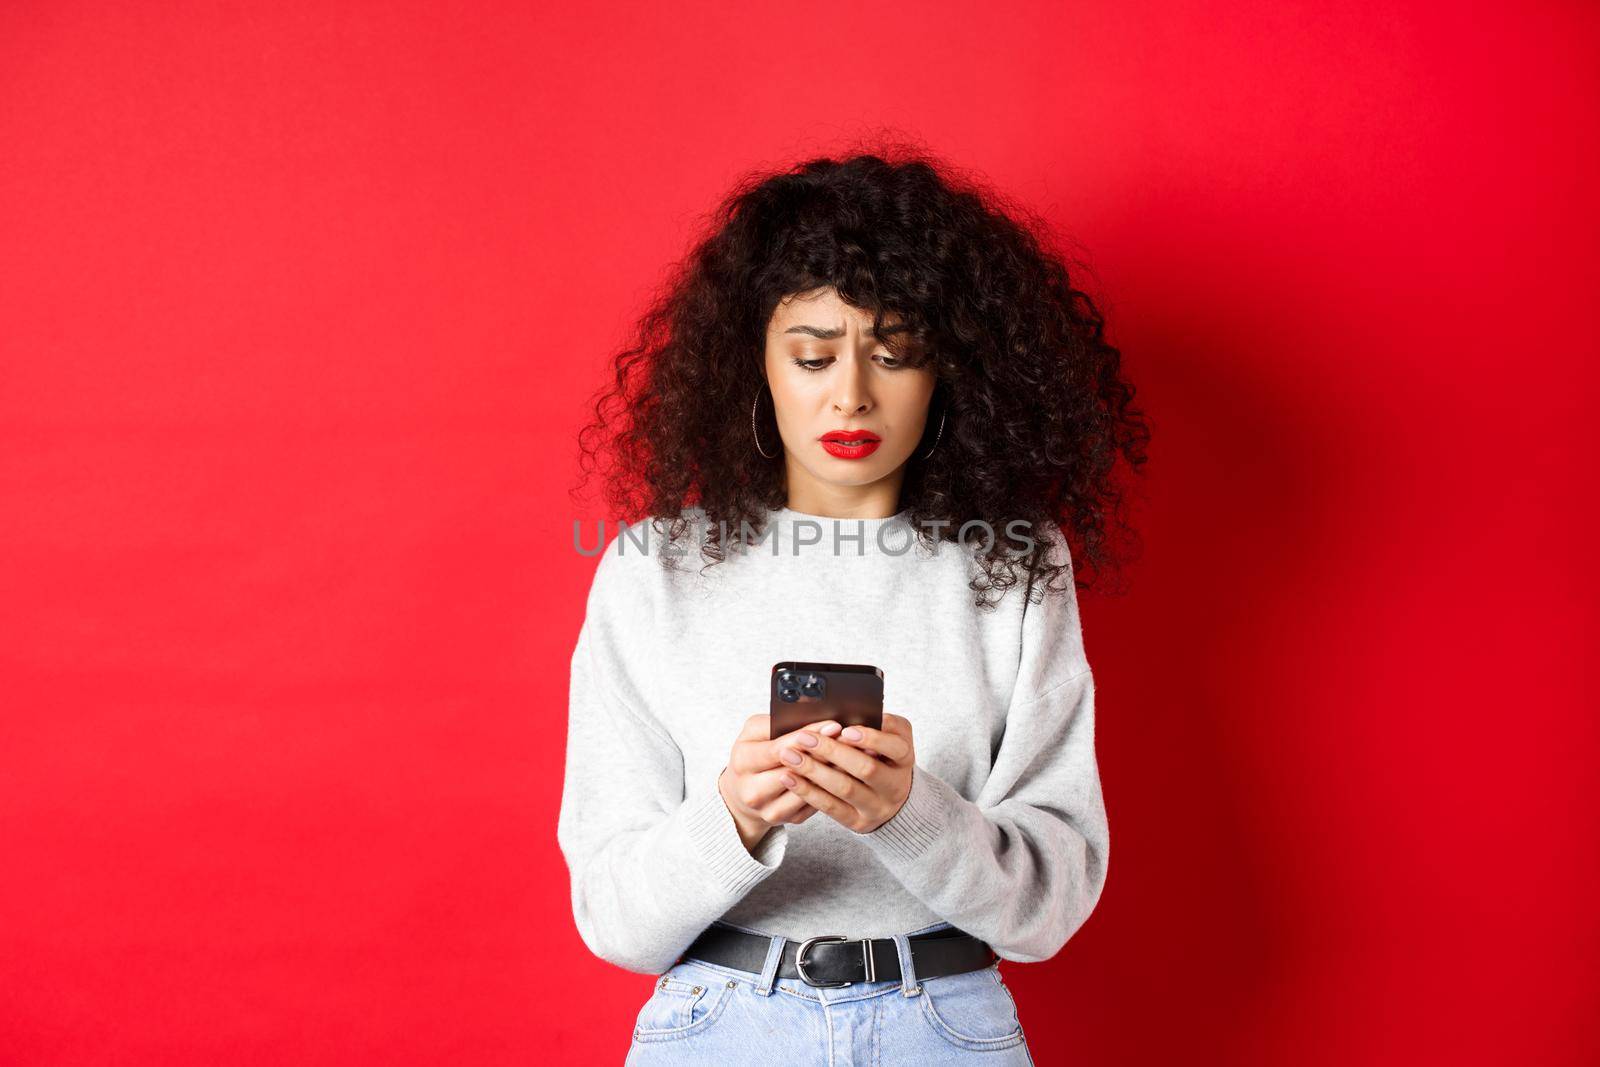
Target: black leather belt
<point>831,960</point>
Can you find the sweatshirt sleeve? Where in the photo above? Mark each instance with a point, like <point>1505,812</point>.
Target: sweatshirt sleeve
<point>1023,863</point>
<point>652,860</point>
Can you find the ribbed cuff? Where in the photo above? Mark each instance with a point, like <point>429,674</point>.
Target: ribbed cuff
<point>920,821</point>
<point>770,849</point>
<point>716,839</point>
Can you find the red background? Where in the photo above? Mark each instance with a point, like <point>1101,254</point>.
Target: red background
<point>299,309</point>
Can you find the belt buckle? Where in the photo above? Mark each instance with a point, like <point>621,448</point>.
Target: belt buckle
<point>800,959</point>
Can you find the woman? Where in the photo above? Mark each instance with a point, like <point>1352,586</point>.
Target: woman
<point>872,404</point>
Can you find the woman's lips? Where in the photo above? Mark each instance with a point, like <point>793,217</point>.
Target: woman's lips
<point>850,446</point>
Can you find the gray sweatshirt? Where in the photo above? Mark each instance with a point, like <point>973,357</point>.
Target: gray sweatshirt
<point>1004,833</point>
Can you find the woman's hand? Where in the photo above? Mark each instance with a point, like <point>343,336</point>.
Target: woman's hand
<point>749,783</point>
<point>861,778</point>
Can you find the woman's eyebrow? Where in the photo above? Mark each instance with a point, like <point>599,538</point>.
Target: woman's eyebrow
<point>838,331</point>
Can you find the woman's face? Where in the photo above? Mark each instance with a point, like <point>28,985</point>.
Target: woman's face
<point>830,375</point>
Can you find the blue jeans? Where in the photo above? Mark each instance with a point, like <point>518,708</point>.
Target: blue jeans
<point>704,1013</point>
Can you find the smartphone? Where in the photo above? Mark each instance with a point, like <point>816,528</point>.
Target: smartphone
<point>850,694</point>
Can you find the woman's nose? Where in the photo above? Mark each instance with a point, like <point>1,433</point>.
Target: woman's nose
<point>851,397</point>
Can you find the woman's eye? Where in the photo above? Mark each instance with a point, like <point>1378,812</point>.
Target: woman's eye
<point>889,363</point>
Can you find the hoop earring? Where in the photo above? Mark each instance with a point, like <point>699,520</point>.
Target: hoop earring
<point>936,437</point>
<point>753,431</point>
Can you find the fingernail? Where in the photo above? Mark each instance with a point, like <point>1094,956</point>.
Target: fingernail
<point>828,729</point>
<point>852,734</point>
<point>787,780</point>
<point>808,739</point>
<point>789,755</point>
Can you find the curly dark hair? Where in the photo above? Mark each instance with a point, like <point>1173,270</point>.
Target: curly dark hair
<point>1037,410</point>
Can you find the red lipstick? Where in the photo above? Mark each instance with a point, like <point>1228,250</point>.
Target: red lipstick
<point>850,444</point>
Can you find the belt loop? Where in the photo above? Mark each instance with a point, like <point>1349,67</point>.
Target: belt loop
<point>769,970</point>
<point>909,985</point>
